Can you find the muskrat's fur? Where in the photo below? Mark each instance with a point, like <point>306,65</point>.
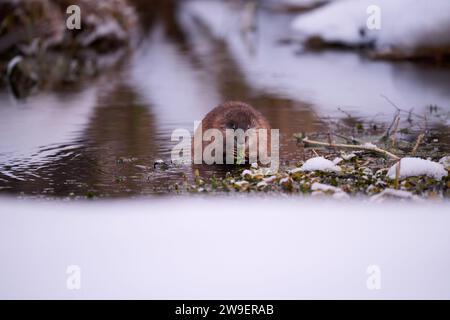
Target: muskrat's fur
<point>235,115</point>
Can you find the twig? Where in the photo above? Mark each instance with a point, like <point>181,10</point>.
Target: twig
<point>397,175</point>
<point>410,115</point>
<point>329,138</point>
<point>410,112</point>
<point>350,146</point>
<point>390,102</point>
<point>345,112</point>
<point>418,141</point>
<point>394,134</point>
<point>386,136</point>
<point>348,139</point>
<point>315,153</point>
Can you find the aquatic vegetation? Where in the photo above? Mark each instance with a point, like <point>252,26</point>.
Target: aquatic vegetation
<point>342,163</point>
<point>359,175</point>
<point>391,164</point>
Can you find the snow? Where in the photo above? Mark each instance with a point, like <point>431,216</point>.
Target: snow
<point>352,82</point>
<point>256,172</point>
<point>411,167</point>
<point>261,184</point>
<point>222,248</point>
<point>285,181</point>
<point>344,156</point>
<point>295,170</point>
<point>445,161</point>
<point>104,30</point>
<point>420,25</point>
<point>320,164</point>
<point>247,173</point>
<point>270,179</point>
<point>348,156</point>
<point>341,196</point>
<point>241,184</point>
<point>369,145</point>
<point>338,193</point>
<point>386,193</point>
<point>324,187</point>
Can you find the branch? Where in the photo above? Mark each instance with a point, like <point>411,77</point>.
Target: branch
<point>418,141</point>
<point>350,146</point>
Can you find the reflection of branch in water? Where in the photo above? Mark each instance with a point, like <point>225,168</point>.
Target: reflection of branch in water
<point>399,110</point>
<point>249,26</point>
<point>232,84</point>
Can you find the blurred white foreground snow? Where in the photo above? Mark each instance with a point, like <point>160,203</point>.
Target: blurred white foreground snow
<point>224,248</point>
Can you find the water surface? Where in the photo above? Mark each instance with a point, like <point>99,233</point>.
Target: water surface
<point>102,137</point>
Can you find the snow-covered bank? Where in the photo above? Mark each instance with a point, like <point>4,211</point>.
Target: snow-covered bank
<point>327,80</point>
<point>229,248</point>
<point>405,25</point>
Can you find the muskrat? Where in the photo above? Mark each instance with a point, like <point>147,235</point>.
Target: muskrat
<point>234,115</point>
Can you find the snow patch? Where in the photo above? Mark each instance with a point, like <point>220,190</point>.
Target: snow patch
<point>242,183</point>
<point>405,24</point>
<point>369,145</point>
<point>270,179</point>
<point>296,170</point>
<point>445,161</point>
<point>324,187</point>
<point>392,193</point>
<point>261,184</point>
<point>320,164</point>
<point>348,156</point>
<point>247,173</point>
<point>338,193</point>
<point>412,167</point>
<point>286,181</point>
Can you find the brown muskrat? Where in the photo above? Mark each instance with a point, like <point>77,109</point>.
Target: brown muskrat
<point>233,115</point>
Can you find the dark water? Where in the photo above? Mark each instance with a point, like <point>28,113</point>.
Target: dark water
<point>102,137</point>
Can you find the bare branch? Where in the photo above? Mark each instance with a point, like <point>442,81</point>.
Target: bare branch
<point>418,141</point>
<point>307,141</point>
